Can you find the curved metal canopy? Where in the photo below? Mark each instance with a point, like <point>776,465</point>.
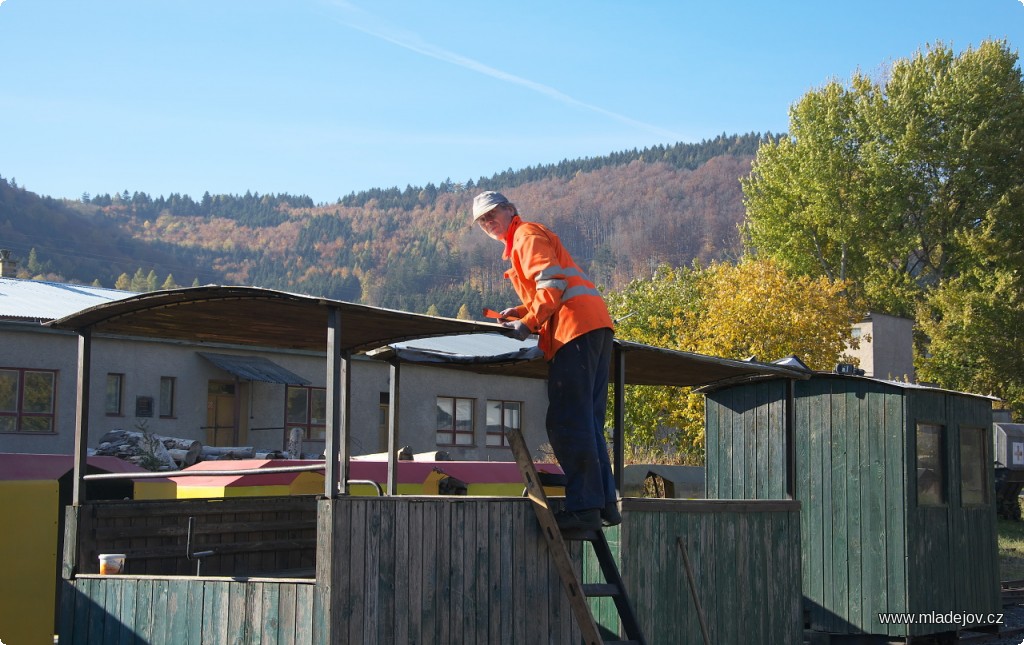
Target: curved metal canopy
<point>269,318</point>
<point>259,317</point>
<point>643,364</point>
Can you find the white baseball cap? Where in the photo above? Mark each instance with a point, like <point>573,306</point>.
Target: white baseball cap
<point>486,202</point>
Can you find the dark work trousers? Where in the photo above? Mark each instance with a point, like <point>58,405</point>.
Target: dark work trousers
<point>577,400</point>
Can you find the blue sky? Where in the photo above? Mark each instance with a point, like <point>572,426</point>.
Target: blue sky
<point>327,97</point>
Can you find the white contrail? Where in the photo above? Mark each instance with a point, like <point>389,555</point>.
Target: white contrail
<point>368,24</point>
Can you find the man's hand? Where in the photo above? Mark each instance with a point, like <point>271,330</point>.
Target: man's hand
<point>512,313</point>
<point>519,330</point>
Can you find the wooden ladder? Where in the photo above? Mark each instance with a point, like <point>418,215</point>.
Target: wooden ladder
<point>577,593</point>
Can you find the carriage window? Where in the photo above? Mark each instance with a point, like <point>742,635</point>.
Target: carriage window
<point>974,460</point>
<point>931,468</point>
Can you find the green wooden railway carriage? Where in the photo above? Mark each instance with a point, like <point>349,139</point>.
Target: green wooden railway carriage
<point>339,568</point>
<point>895,482</point>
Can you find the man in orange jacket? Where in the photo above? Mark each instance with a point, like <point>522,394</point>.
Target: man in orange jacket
<point>564,307</point>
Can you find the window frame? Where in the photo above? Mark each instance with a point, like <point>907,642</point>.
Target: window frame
<point>981,462</point>
<point>453,428</point>
<point>504,406</point>
<point>119,377</point>
<point>20,414</point>
<point>940,460</point>
<point>169,401</point>
<point>383,420</point>
<point>309,425</point>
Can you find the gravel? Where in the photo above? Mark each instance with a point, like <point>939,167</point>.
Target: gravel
<point>1011,632</point>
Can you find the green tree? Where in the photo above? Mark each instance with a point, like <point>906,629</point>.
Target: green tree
<point>877,183</point>
<point>139,282</point>
<point>169,283</point>
<point>974,327</point>
<point>34,266</point>
<point>912,189</point>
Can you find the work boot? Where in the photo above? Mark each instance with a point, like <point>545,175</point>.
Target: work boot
<point>587,520</point>
<point>610,515</point>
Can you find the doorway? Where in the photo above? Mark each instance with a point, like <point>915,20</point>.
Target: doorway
<point>222,406</point>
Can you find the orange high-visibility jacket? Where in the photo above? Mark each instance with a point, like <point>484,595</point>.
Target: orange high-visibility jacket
<point>559,300</point>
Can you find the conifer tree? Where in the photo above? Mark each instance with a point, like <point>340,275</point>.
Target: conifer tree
<point>139,281</point>
<point>169,283</point>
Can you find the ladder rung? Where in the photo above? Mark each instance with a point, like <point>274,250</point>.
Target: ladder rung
<point>593,590</point>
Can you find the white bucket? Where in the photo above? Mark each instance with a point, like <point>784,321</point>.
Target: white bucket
<point>111,563</point>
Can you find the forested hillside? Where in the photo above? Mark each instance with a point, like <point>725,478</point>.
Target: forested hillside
<point>411,249</point>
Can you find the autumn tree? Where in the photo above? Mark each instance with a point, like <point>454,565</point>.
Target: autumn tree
<point>123,282</point>
<point>752,309</point>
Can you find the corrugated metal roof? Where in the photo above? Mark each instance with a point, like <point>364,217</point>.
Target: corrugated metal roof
<point>254,368</point>
<point>39,300</point>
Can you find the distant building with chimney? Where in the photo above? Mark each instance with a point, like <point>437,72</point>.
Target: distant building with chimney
<point>886,347</point>
<point>8,266</point>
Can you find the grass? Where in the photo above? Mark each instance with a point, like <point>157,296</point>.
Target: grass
<point>1011,549</point>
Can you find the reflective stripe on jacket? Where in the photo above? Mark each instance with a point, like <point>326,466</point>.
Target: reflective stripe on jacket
<point>559,301</point>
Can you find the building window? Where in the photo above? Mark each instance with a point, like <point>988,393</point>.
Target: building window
<point>115,394</point>
<point>27,400</point>
<point>306,408</point>
<point>974,465</point>
<point>383,411</point>
<point>502,416</point>
<point>454,421</point>
<point>167,384</point>
<point>931,465</point>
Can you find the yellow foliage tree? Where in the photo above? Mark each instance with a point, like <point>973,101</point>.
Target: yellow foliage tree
<point>750,309</point>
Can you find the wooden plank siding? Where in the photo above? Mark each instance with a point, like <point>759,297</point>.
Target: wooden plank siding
<point>867,546</point>
<point>964,536</point>
<point>178,610</point>
<point>745,558</point>
<point>747,426</point>
<point>454,570</point>
<point>442,570</point>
